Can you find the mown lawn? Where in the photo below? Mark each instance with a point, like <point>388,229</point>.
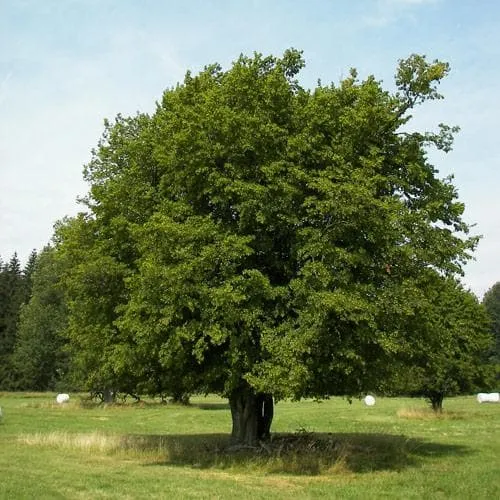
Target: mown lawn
<point>333,449</point>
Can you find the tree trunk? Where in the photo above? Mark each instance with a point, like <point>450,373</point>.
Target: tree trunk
<point>265,413</point>
<point>436,399</point>
<point>181,398</point>
<point>108,396</point>
<point>252,415</point>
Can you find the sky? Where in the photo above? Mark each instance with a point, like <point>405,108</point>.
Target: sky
<point>65,65</point>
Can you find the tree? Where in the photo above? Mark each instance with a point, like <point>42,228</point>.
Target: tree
<point>39,360</point>
<point>27,272</point>
<point>93,283</point>
<point>262,241</point>
<point>491,302</point>
<point>12,295</point>
<point>452,342</point>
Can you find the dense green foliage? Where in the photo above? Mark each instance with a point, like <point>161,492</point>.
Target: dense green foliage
<point>491,302</point>
<point>261,241</point>
<point>451,345</point>
<point>15,290</point>
<point>39,360</point>
<point>253,238</point>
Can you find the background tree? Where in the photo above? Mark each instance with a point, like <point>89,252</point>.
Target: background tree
<point>93,283</point>
<point>452,344</point>
<point>491,302</point>
<point>259,240</point>
<point>39,360</point>
<point>13,293</point>
<point>28,271</point>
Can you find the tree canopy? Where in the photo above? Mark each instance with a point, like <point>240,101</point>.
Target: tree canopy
<point>491,301</point>
<point>15,290</point>
<point>451,343</point>
<point>260,240</point>
<point>38,360</point>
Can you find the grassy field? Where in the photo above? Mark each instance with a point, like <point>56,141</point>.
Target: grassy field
<point>334,449</point>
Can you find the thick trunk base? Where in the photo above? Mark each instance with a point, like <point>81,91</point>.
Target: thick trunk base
<point>252,416</point>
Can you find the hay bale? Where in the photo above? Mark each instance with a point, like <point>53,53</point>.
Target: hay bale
<point>62,398</point>
<point>369,400</point>
<point>492,397</point>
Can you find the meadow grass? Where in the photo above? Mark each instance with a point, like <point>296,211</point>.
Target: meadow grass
<point>333,449</point>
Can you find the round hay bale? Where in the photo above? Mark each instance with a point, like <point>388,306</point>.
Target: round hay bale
<point>369,400</point>
<point>62,398</point>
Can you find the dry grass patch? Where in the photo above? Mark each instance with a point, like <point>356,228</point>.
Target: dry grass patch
<point>94,441</point>
<point>151,446</point>
<point>300,454</point>
<point>51,405</point>
<point>428,414</point>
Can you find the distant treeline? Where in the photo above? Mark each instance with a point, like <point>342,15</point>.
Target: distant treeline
<point>34,347</point>
<point>32,321</point>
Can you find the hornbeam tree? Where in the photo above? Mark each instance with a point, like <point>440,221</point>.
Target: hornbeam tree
<point>263,241</point>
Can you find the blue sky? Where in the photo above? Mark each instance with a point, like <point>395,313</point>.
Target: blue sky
<point>65,65</point>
